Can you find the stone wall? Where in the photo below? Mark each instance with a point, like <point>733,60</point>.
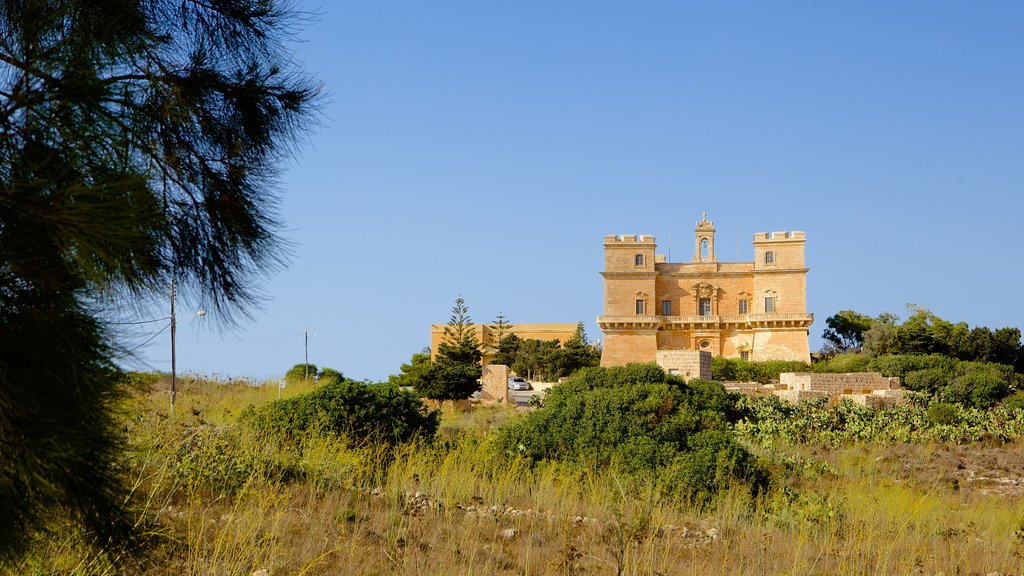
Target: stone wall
<point>687,364</point>
<point>849,383</point>
<point>495,383</point>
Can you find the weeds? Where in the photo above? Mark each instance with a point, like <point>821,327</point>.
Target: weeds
<point>215,497</point>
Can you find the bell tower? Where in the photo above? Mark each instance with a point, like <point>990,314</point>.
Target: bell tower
<point>705,241</point>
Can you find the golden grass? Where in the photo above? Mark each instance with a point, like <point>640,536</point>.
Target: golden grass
<point>216,499</point>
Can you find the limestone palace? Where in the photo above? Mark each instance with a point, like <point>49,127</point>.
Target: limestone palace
<point>751,310</point>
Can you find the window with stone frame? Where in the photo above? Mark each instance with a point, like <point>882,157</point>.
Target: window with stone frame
<point>769,304</point>
<point>666,307</point>
<point>744,307</point>
<point>769,258</point>
<point>704,307</point>
<point>640,306</point>
<point>638,260</point>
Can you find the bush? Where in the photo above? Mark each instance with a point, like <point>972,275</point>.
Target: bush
<point>361,411</point>
<point>843,363</point>
<point>929,380</point>
<point>977,389</point>
<point>942,413</point>
<point>902,364</point>
<point>329,375</point>
<point>738,370</point>
<point>301,372</point>
<point>1014,402</point>
<point>637,419</point>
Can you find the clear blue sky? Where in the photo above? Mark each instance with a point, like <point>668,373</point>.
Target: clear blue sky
<point>485,149</point>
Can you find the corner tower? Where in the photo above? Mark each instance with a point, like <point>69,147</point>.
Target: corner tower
<point>751,310</point>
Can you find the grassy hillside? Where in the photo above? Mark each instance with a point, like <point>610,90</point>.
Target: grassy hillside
<point>215,497</point>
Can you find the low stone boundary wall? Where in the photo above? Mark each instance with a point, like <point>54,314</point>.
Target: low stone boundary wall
<point>865,388</point>
<point>848,383</point>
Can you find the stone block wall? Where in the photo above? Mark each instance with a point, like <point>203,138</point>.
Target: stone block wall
<point>629,346</point>
<point>849,383</point>
<point>687,364</point>
<point>495,383</point>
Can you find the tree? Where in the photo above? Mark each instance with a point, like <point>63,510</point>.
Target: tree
<point>508,349</point>
<point>499,329</point>
<point>534,358</point>
<point>456,373</point>
<point>846,330</point>
<point>140,145</point>
<point>460,326</point>
<point>880,339</point>
<point>415,373</point>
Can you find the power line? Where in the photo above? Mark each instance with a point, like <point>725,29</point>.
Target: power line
<point>151,338</point>
<point>139,322</point>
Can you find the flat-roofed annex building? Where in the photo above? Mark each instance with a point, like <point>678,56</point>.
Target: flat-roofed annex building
<point>752,310</point>
<point>486,333</point>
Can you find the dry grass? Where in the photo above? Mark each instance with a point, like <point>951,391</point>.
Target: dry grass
<point>216,500</point>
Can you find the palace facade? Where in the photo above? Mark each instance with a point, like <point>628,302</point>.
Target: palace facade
<point>752,310</point>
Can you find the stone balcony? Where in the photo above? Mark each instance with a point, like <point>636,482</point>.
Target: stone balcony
<point>714,322</point>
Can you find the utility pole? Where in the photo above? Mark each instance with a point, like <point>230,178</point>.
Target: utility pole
<point>305,333</point>
<point>174,367</point>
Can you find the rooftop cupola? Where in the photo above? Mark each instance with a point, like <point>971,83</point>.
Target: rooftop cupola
<point>704,241</point>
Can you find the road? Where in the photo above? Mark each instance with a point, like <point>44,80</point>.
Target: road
<point>522,397</point>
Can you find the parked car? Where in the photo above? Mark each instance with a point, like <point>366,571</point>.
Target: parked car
<point>518,383</point>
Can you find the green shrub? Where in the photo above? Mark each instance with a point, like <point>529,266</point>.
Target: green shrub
<point>842,363</point>
<point>902,364</point>
<point>942,413</point>
<point>301,372</point>
<point>328,375</point>
<point>637,419</point>
<point>738,370</point>
<point>360,411</point>
<point>929,380</point>
<point>976,389</point>
<point>1014,402</point>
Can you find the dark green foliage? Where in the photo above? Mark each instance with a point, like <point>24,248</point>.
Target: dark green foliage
<point>970,384</point>
<point>547,360</point>
<point>329,375</point>
<point>301,372</point>
<point>901,365</point>
<point>361,411</point>
<point>455,375</point>
<point>928,380</point>
<point>499,330</point>
<point>58,438</point>
<point>535,359</point>
<point>738,370</point>
<point>942,413</point>
<point>925,333</point>
<point>1014,402</point>
<point>508,350</point>
<point>140,144</point>
<point>449,380</point>
<point>842,363</point>
<point>414,373</point>
<point>978,388</point>
<point>637,419</point>
<point>845,330</point>
<point>714,460</point>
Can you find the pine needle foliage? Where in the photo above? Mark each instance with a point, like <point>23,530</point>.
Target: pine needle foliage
<point>140,141</point>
